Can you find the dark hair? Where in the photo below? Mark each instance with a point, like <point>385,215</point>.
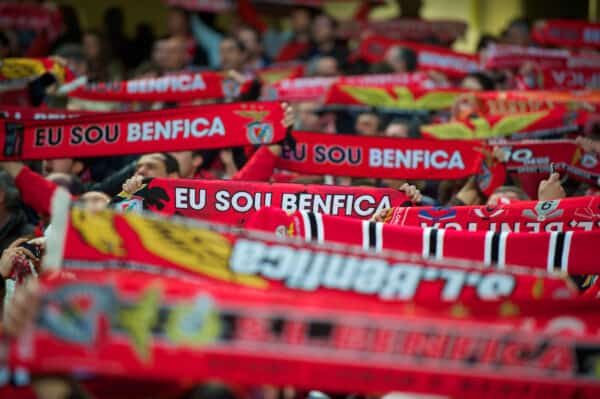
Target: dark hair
<point>4,40</point>
<point>486,82</point>
<point>171,164</point>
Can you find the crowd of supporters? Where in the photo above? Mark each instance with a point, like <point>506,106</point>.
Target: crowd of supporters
<point>253,40</point>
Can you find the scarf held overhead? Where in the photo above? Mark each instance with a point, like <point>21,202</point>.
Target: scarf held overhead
<point>250,259</point>
<point>148,327</point>
<point>381,157</point>
<point>568,252</point>
<point>176,87</point>
<point>208,126</point>
<point>231,202</point>
<point>565,33</point>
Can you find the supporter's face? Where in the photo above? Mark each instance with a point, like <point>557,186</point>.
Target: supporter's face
<point>175,54</point>
<point>367,125</point>
<point>176,22</point>
<point>500,198</point>
<point>250,40</point>
<point>307,116</point>
<point>300,20</point>
<point>63,165</point>
<point>327,67</point>
<point>231,56</point>
<point>159,53</point>
<point>151,165</point>
<point>397,130</point>
<point>518,36</point>
<point>470,83</point>
<point>322,29</point>
<point>94,201</point>
<point>393,59</point>
<point>185,161</point>
<point>91,46</point>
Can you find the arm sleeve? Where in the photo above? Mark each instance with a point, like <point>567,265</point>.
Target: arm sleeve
<point>36,191</point>
<point>208,39</point>
<point>259,167</point>
<point>112,185</point>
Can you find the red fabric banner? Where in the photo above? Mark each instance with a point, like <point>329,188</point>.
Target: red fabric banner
<point>177,87</point>
<point>570,79</point>
<point>225,256</point>
<point>277,72</point>
<point>381,157</point>
<point>430,58</point>
<point>555,251</point>
<point>567,33</point>
<point>509,56</point>
<point>30,16</point>
<point>208,126</point>
<point>568,214</point>
<point>393,96</point>
<point>231,202</point>
<point>446,31</point>
<point>539,157</point>
<point>302,89</point>
<point>125,323</point>
<point>556,121</point>
<point>24,69</point>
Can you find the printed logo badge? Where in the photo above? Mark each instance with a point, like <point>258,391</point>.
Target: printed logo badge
<point>134,204</point>
<point>544,210</point>
<point>589,161</point>
<point>437,214</point>
<point>488,212</point>
<point>230,88</point>
<point>257,131</point>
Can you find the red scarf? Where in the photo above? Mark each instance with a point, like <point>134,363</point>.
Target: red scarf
<point>24,69</point>
<point>145,327</point>
<point>414,29</point>
<point>556,121</point>
<point>209,126</point>
<point>570,79</point>
<point>509,102</point>
<point>233,258</point>
<point>566,33</point>
<point>303,89</point>
<point>29,16</point>
<point>382,157</point>
<point>536,158</point>
<point>509,56</point>
<point>178,87</point>
<point>231,202</point>
<point>411,97</point>
<point>569,214</point>
<point>557,251</point>
<point>430,58</point>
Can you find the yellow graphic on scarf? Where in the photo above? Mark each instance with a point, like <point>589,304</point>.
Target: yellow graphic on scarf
<point>507,125</point>
<point>138,319</point>
<point>20,68</point>
<point>380,97</point>
<point>192,248</point>
<point>98,230</point>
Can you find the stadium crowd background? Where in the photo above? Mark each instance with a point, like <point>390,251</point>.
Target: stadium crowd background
<point>247,40</point>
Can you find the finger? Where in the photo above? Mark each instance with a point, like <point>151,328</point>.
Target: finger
<point>18,242</point>
<point>403,187</point>
<point>554,177</point>
<point>26,253</point>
